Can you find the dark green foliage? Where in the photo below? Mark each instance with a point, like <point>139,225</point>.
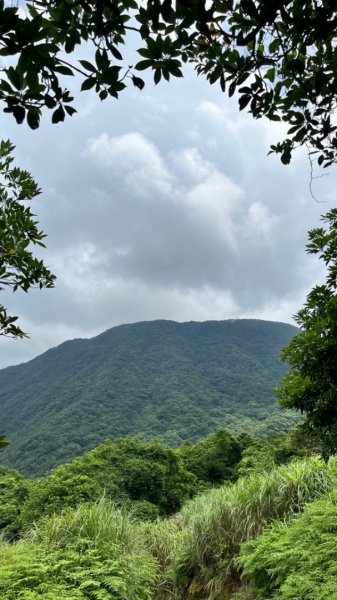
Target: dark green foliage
<point>19,269</point>
<point>3,443</point>
<point>13,492</point>
<point>279,57</point>
<point>296,560</point>
<point>214,459</point>
<point>149,479</point>
<point>262,455</point>
<point>178,381</point>
<point>126,471</point>
<point>311,385</point>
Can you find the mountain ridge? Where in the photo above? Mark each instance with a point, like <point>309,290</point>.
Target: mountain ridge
<point>179,381</point>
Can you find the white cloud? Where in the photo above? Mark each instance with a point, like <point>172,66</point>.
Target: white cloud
<point>133,158</point>
<point>212,111</point>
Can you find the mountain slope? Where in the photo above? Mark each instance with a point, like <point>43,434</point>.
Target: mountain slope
<point>179,381</point>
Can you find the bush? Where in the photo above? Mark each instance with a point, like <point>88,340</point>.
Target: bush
<point>94,552</point>
<point>296,560</point>
<point>219,521</point>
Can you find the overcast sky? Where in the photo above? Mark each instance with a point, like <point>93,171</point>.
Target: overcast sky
<point>163,204</point>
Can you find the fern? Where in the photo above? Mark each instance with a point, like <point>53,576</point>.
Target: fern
<point>297,559</point>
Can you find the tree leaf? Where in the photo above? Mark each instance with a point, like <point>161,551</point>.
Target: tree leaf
<point>58,115</point>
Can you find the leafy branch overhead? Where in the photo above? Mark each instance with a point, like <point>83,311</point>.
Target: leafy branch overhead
<point>19,269</point>
<point>278,57</point>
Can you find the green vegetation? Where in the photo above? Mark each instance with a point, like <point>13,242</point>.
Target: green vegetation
<point>91,552</point>
<point>296,560</point>
<point>147,477</point>
<point>19,269</point>
<point>311,384</point>
<point>283,52</point>
<point>150,475</point>
<point>269,535</point>
<point>214,459</point>
<point>13,492</point>
<point>3,442</point>
<point>262,455</point>
<point>220,521</point>
<point>176,381</point>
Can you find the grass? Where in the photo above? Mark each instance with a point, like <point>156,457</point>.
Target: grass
<point>217,522</point>
<point>101,552</point>
<point>95,552</point>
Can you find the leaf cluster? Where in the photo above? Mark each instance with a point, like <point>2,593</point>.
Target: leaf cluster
<point>148,477</point>
<point>278,57</point>
<point>19,268</point>
<point>311,385</point>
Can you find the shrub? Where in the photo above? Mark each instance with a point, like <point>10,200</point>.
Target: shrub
<point>94,552</point>
<point>296,560</point>
<point>219,521</point>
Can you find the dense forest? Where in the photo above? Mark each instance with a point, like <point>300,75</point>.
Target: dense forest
<point>175,381</point>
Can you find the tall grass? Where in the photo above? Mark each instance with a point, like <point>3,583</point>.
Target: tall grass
<point>101,523</point>
<point>93,552</point>
<point>165,539</point>
<point>296,560</point>
<point>220,520</point>
<point>99,552</point>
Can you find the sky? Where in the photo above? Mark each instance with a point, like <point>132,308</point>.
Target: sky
<point>163,205</point>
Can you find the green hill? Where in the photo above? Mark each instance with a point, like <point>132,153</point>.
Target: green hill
<point>178,381</point>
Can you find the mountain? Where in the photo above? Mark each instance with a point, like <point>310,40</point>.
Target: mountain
<point>177,381</point>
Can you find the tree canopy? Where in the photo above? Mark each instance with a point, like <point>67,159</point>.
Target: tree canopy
<point>311,385</point>
<point>279,57</point>
<point>19,269</point>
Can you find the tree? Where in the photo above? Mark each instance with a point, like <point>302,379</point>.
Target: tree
<point>19,269</point>
<point>13,492</point>
<point>278,56</point>
<point>311,384</point>
<point>214,459</point>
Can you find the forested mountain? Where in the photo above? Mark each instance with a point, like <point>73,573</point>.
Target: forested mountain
<point>179,381</point>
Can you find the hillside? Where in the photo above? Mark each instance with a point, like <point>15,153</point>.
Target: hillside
<point>179,381</point>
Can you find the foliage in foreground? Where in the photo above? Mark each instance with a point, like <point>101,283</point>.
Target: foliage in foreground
<point>221,520</point>
<point>279,57</point>
<point>150,478</point>
<point>147,475</point>
<point>296,560</point>
<point>89,553</point>
<point>100,552</point>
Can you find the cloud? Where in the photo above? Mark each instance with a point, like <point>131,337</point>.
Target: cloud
<point>212,111</point>
<point>163,205</point>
